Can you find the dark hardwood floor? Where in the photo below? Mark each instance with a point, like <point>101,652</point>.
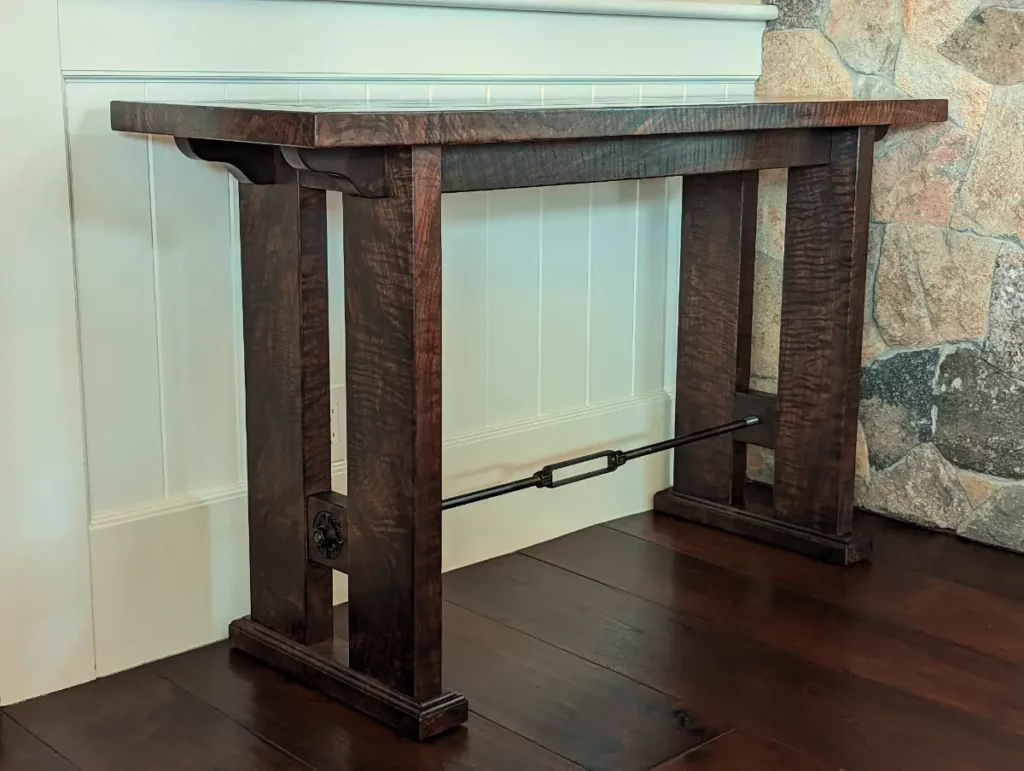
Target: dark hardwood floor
<point>646,643</point>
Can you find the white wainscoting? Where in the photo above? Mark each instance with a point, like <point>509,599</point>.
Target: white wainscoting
<point>559,304</point>
<point>556,324</point>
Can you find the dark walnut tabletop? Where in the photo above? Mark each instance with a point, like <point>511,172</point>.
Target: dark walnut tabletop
<point>357,124</point>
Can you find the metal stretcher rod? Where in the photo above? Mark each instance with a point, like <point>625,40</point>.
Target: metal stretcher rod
<point>615,459</point>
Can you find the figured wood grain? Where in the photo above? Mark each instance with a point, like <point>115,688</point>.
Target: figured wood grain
<point>713,352</point>
<point>758,522</point>
<point>820,340</point>
<point>287,401</point>
<point>961,614</point>
<point>327,735</point>
<point>137,721</point>
<point>577,709</point>
<point>21,751</point>
<point>319,126</point>
<point>842,718</point>
<point>741,750</point>
<point>562,658</point>
<point>324,667</point>
<point>761,405</point>
<point>393,376</point>
<point>569,162</point>
<point>810,628</point>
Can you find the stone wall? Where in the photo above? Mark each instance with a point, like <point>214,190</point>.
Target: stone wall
<point>942,416</point>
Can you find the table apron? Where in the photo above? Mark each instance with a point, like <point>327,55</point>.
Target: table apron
<point>503,166</point>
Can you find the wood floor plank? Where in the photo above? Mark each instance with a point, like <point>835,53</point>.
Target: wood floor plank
<point>582,711</point>
<point>952,611</point>
<point>741,750</point>
<point>943,555</point>
<point>805,626</point>
<point>844,719</point>
<point>21,751</point>
<point>136,721</point>
<point>327,734</point>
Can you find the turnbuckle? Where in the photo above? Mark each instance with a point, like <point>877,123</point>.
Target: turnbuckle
<point>614,460</point>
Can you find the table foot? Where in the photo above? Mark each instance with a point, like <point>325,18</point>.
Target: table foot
<point>318,667</point>
<point>835,549</point>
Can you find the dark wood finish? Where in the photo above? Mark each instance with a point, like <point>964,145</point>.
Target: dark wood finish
<point>346,170</point>
<point>715,290</point>
<point>21,751</point>
<point>335,505</point>
<point>323,126</point>
<point>137,721</point>
<point>743,751</point>
<point>611,671</point>
<point>536,164</point>
<point>288,434</point>
<point>356,170</point>
<point>393,168</point>
<point>821,331</point>
<point>890,592</point>
<point>761,405</point>
<point>393,375</point>
<point>810,628</point>
<point>815,413</point>
<point>991,570</point>
<point>535,689</point>
<point>327,735</point>
<point>256,164</point>
<point>758,523</point>
<point>318,666</point>
<point>721,675</point>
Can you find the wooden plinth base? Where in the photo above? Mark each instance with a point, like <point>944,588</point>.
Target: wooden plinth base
<point>320,670</point>
<point>759,526</point>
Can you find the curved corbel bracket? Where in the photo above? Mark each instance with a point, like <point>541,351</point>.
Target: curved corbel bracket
<point>354,170</point>
<point>255,164</point>
<point>880,132</point>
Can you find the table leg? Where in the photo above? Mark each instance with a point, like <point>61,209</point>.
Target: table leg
<point>810,510</point>
<point>393,512</point>
<point>820,346</point>
<point>393,375</point>
<point>287,384</point>
<point>713,353</point>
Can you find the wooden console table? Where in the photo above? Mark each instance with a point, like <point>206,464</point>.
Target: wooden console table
<point>393,166</point>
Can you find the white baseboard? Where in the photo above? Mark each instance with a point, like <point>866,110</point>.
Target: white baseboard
<point>188,556</point>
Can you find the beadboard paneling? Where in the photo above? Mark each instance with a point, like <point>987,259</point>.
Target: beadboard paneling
<point>114,256</point>
<point>154,283</point>
<point>196,304</point>
<point>654,219</point>
<point>464,312</point>
<point>150,602</point>
<point>513,304</point>
<point>565,297</point>
<point>613,241</point>
<point>554,299</point>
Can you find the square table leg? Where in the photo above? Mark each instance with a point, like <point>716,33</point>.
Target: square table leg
<point>393,511</point>
<point>812,422</point>
<point>287,400</point>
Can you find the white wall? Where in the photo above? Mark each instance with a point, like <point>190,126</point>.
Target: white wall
<point>558,304</point>
<point>45,610</point>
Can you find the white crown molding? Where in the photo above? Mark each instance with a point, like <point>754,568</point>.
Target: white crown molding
<point>669,9</point>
